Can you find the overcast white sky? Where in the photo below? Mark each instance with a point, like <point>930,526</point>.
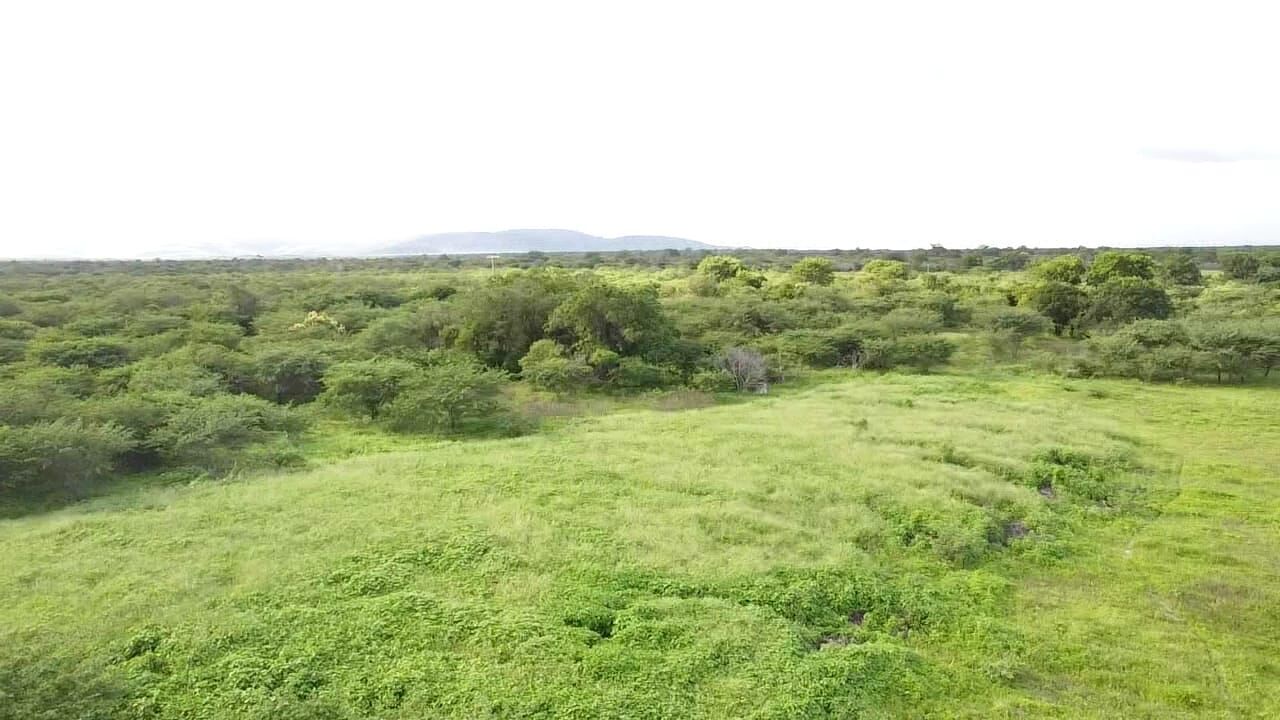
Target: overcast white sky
<point>126,127</point>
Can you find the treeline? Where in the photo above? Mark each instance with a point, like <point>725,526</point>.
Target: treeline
<point>208,367</point>
<point>1155,350</point>
<point>1242,261</point>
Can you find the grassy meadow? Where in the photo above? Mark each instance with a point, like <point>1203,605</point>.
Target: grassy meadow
<point>855,545</point>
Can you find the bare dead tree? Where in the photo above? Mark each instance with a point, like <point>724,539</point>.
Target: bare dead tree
<point>747,368</point>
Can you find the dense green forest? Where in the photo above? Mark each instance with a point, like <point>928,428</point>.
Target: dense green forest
<point>661,484</point>
<point>205,367</point>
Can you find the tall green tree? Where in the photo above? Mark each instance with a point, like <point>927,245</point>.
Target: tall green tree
<point>1124,299</point>
<point>1181,268</point>
<point>1227,349</point>
<point>1068,269</point>
<point>1240,266</point>
<point>1119,264</point>
<point>814,270</point>
<point>500,320</point>
<point>1059,301</point>
<point>625,319</point>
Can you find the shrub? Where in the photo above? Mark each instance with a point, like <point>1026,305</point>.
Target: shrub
<point>1058,470</point>
<point>679,354</point>
<point>712,381</point>
<point>12,351</point>
<point>96,326</point>
<point>1011,326</point>
<point>910,321</point>
<point>1061,302</point>
<point>1125,299</point>
<point>221,334</point>
<point>289,375</point>
<point>207,432</point>
<point>410,332</point>
<point>875,354</point>
<point>438,291</point>
<point>318,324</point>
<point>1169,363</point>
<point>42,394</point>
<point>814,348</point>
<point>1227,348</point>
<point>64,453</point>
<point>171,372</point>
<point>720,267</point>
<point>1152,350</point>
<point>1240,266</point>
<point>502,319</point>
<point>88,352</point>
<point>242,306</point>
<point>922,352</point>
<point>1117,264</point>
<point>636,374</point>
<point>626,319</point>
<point>1266,352</point>
<point>1067,269</point>
<point>47,315</point>
<point>883,277</point>
<point>234,370</point>
<point>748,279</point>
<point>603,363</point>
<point>787,289</point>
<point>945,308</point>
<point>935,281</point>
<point>365,387</point>
<point>814,270</point>
<point>1117,354</point>
<point>378,297</point>
<point>885,270</point>
<point>17,330</point>
<point>703,285</point>
<point>546,366</point>
<point>1155,333</point>
<point>446,395</point>
<point>747,368</point>
<point>138,414</point>
<point>1180,268</point>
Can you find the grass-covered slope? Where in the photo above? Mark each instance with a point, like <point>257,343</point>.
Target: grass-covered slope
<point>874,547</point>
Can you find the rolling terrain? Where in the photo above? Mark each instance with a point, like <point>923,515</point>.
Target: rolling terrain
<point>866,545</point>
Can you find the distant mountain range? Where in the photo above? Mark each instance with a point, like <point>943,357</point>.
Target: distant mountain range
<point>454,243</point>
<point>520,241</point>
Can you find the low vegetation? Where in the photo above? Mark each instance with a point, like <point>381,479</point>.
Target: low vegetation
<point>889,546</point>
<point>937,484</point>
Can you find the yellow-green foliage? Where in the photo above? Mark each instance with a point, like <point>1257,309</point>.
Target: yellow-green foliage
<point>866,546</point>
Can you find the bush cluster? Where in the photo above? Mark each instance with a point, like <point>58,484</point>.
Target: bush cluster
<point>112,367</point>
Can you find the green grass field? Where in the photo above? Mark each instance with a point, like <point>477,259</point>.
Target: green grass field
<point>862,546</point>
